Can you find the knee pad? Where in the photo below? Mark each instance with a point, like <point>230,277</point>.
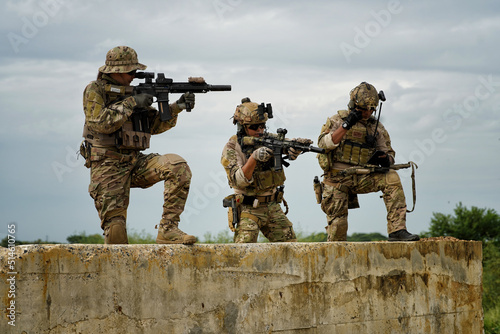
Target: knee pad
<point>392,178</point>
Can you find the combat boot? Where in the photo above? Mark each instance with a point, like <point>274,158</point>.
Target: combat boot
<point>403,235</point>
<point>115,233</point>
<point>169,233</point>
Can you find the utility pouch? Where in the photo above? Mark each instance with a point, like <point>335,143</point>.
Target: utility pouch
<point>280,192</point>
<point>85,152</point>
<point>135,140</point>
<point>318,189</point>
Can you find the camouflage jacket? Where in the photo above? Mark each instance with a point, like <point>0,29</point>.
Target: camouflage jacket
<point>264,179</point>
<point>382,138</point>
<point>106,112</point>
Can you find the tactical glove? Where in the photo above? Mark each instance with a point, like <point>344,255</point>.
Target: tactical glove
<point>304,141</point>
<point>385,161</point>
<point>380,158</point>
<point>351,119</point>
<point>186,101</point>
<point>262,154</point>
<point>143,100</point>
<point>293,153</point>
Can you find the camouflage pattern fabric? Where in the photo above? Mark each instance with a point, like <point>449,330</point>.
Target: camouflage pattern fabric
<point>268,218</point>
<point>106,112</point>
<point>121,59</point>
<point>114,171</point>
<point>112,178</point>
<point>336,198</point>
<point>337,188</point>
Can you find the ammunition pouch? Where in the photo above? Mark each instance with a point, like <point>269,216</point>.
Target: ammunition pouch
<point>125,138</point>
<point>133,140</point>
<point>354,153</point>
<point>268,179</point>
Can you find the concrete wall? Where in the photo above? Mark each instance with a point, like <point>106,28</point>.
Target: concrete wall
<point>341,287</point>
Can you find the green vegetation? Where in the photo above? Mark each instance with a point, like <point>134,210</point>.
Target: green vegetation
<point>481,225</point>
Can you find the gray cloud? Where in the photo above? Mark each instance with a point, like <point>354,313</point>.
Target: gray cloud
<point>434,60</point>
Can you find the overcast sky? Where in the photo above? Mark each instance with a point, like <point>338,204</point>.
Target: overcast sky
<point>436,61</point>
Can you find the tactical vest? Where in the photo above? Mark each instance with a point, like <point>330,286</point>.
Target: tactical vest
<point>135,133</point>
<point>353,148</point>
<point>265,177</point>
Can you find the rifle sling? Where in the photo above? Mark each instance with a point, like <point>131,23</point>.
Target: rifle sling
<point>414,190</point>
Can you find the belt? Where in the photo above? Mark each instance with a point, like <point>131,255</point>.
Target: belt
<point>250,200</point>
<point>102,152</point>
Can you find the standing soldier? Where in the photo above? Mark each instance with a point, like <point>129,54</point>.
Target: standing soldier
<point>354,138</point>
<point>258,187</point>
<point>113,144</point>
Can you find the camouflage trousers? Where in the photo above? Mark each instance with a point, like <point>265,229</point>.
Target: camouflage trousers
<point>112,175</point>
<point>336,197</point>
<point>268,218</point>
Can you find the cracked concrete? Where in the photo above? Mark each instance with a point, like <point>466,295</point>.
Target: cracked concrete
<point>339,287</point>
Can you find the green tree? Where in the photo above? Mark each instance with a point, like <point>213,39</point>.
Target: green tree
<point>83,238</point>
<point>314,237</point>
<point>143,237</point>
<point>478,224</point>
<point>474,224</point>
<point>222,237</point>
<point>134,237</point>
<point>366,237</point>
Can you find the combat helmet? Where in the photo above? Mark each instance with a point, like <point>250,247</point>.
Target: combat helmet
<point>121,59</point>
<point>248,112</point>
<point>364,96</point>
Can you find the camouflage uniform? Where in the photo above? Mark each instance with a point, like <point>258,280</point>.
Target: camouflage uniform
<point>260,208</point>
<point>116,168</point>
<point>340,192</point>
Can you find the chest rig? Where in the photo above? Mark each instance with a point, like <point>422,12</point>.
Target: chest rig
<point>356,148</point>
<point>135,133</point>
<point>265,177</point>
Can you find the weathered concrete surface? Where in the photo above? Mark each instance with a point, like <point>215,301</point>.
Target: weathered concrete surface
<point>376,287</point>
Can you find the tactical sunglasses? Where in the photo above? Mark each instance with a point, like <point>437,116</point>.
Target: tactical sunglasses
<point>255,127</point>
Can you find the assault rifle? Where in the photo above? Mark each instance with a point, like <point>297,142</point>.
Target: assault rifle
<point>280,146</point>
<point>367,169</point>
<point>161,87</point>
